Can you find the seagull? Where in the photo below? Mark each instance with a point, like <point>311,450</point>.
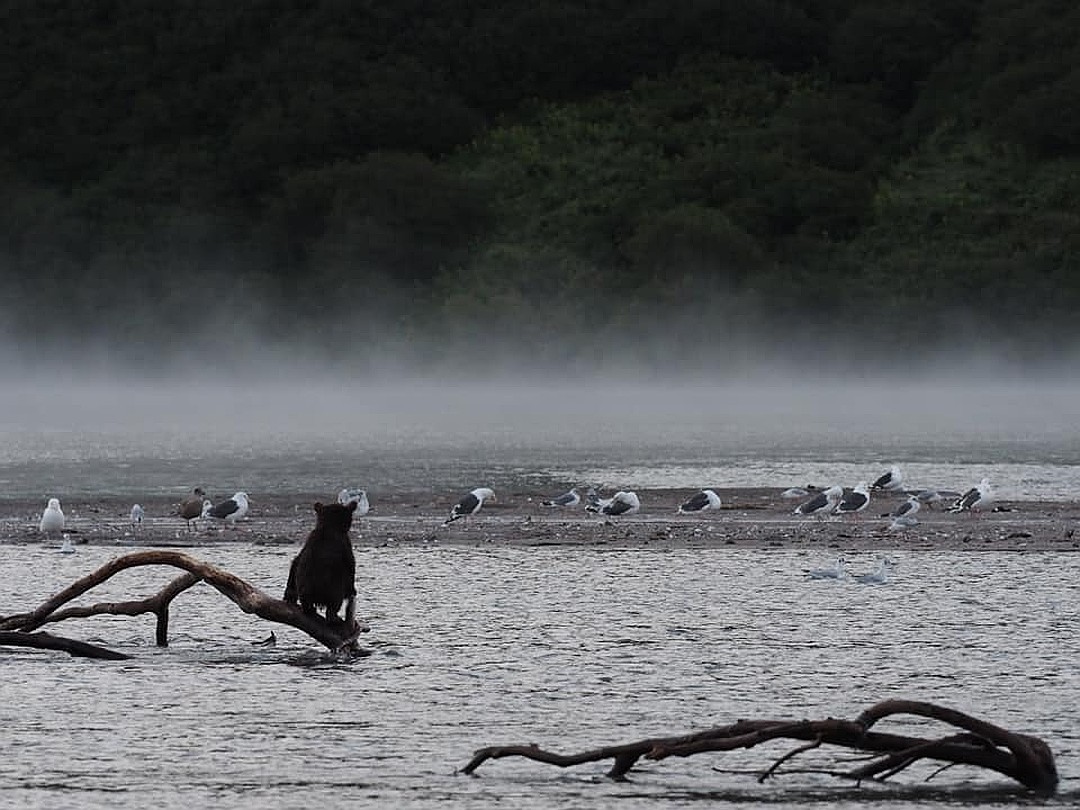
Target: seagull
<point>621,503</point>
<point>52,519</point>
<point>821,504</point>
<point>836,571</point>
<point>191,507</point>
<point>907,508</point>
<point>570,498</point>
<point>230,510</point>
<point>137,513</point>
<point>855,501</point>
<point>706,499</point>
<point>470,504</point>
<point>890,481</point>
<point>976,499</point>
<point>879,576</point>
<point>66,547</point>
<point>347,496</point>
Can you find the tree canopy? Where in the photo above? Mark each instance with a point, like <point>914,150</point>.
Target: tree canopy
<point>425,174</point>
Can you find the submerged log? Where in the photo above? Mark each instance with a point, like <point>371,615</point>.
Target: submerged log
<point>1025,759</point>
<point>336,636</point>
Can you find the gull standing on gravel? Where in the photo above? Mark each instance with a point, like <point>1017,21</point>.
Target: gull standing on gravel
<point>137,513</point>
<point>470,504</point>
<point>977,499</point>
<point>52,519</point>
<point>232,509</point>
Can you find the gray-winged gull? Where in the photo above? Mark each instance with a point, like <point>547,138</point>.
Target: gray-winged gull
<point>706,499</point>
<point>231,509</point>
<point>470,504</point>
<point>890,481</point>
<point>569,498</point>
<point>821,504</point>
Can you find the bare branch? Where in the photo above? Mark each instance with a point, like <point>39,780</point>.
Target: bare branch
<point>1025,759</point>
<point>334,635</point>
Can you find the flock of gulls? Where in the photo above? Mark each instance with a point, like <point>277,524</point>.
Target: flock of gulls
<point>818,502</point>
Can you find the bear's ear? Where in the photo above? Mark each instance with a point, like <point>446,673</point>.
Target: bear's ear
<point>352,506</point>
<point>318,507</point>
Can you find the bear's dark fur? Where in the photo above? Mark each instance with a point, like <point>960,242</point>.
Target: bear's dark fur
<point>323,574</point>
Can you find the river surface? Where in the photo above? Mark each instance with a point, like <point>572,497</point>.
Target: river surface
<point>567,647</point>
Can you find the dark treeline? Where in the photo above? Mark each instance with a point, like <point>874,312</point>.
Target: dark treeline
<point>422,175</point>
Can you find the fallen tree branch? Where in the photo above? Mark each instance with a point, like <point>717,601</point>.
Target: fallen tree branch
<point>336,636</point>
<point>47,641</point>
<point>1025,759</point>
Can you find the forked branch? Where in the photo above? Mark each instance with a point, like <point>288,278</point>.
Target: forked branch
<point>1025,759</point>
<point>335,636</point>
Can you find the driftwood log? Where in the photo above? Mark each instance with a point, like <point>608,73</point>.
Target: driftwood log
<point>18,629</point>
<point>1025,759</point>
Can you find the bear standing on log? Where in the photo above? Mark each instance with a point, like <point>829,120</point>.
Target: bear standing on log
<point>324,572</point>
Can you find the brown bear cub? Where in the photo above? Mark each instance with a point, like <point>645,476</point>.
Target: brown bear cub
<point>323,574</point>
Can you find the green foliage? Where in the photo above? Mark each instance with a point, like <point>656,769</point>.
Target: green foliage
<point>530,168</point>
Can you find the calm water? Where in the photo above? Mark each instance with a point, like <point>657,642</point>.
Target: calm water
<point>569,648</point>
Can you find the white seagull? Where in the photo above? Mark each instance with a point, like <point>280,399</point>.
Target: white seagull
<point>52,519</point>
<point>621,503</point>
<point>231,509</point>
<point>977,499</point>
<point>570,498</point>
<point>470,504</point>
<point>879,576</point>
<point>347,496</point>
<point>855,501</point>
<point>836,571</point>
<point>137,513</point>
<point>66,547</point>
<point>908,507</point>
<point>706,499</point>
<point>890,481</point>
<point>821,504</point>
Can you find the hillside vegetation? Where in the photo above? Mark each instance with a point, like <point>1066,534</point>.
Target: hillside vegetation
<point>419,178</point>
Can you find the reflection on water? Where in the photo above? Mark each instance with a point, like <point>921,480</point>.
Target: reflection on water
<point>570,648</point>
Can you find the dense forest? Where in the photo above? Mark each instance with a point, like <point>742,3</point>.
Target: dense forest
<point>539,181</point>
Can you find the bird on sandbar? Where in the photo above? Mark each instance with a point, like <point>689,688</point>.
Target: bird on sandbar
<point>52,519</point>
<point>700,502</point>
<point>347,496</point>
<point>890,481</point>
<point>568,498</point>
<point>821,504</point>
<point>470,504</point>
<point>231,509</point>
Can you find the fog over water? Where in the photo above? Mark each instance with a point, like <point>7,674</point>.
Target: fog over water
<point>763,430</point>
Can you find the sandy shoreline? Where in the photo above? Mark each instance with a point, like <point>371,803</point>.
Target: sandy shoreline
<point>750,518</point>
